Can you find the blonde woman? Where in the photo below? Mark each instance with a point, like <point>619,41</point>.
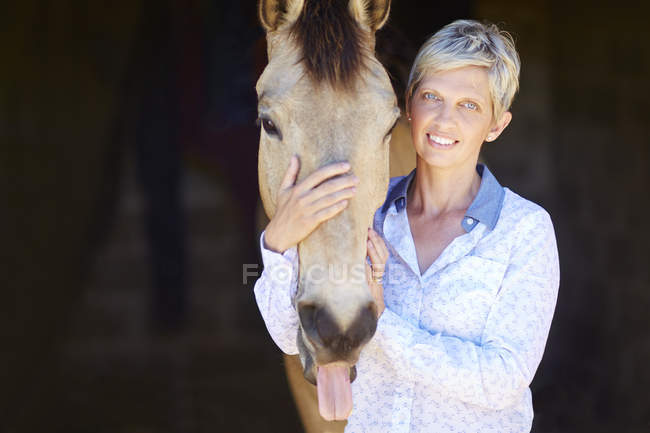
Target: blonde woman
<point>464,271</point>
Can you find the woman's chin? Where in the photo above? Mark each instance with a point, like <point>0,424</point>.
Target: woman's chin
<point>437,160</point>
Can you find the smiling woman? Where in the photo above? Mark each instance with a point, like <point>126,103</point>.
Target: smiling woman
<point>472,276</point>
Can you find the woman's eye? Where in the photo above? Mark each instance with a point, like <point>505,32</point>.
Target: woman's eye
<point>470,105</point>
<point>430,96</point>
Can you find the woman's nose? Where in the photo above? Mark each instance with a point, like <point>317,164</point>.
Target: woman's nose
<point>444,115</point>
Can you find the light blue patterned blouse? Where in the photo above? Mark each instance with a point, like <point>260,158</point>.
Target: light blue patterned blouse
<point>457,347</point>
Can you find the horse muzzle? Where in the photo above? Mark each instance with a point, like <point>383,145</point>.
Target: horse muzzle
<point>326,341</point>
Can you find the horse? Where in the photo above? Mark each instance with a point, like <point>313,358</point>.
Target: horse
<point>325,97</point>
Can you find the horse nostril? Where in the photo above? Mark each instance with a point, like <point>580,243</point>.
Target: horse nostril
<point>327,329</point>
<point>365,325</point>
<point>320,327</point>
<point>307,315</point>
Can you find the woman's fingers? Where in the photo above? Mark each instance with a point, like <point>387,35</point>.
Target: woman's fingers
<point>370,280</point>
<point>290,175</point>
<point>378,244</point>
<point>329,212</point>
<point>331,186</point>
<point>331,199</point>
<point>377,263</point>
<point>320,175</point>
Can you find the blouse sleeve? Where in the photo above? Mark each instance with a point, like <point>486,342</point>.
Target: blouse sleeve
<point>274,294</point>
<point>495,372</point>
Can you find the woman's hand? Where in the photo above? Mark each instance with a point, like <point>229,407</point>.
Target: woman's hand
<point>378,254</point>
<point>302,207</point>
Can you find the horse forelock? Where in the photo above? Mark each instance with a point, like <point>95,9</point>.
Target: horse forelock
<point>331,42</point>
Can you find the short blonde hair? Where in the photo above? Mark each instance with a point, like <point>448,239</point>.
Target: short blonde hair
<point>471,43</point>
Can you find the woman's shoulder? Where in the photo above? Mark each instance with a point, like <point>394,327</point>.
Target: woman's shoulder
<point>519,213</point>
<point>526,231</point>
<point>515,202</point>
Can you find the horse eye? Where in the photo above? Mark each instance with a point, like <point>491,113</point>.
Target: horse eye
<point>269,126</point>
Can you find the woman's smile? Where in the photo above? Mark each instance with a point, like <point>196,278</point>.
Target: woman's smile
<point>441,142</point>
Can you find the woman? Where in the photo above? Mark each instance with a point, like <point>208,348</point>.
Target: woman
<point>471,268</point>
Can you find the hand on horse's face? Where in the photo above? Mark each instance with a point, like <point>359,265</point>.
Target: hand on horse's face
<point>302,207</point>
<point>378,254</point>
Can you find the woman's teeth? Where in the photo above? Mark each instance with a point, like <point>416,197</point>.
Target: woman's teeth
<point>446,142</point>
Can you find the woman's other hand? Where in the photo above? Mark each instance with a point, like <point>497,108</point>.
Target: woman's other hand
<point>378,254</point>
<point>303,206</point>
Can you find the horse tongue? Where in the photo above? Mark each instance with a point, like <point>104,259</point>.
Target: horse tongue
<point>334,392</point>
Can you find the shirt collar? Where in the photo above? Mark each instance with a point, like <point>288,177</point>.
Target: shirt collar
<point>485,207</point>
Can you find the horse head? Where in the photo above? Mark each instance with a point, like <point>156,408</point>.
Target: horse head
<point>326,98</point>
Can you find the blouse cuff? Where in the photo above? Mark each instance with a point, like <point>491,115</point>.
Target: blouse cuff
<point>271,258</point>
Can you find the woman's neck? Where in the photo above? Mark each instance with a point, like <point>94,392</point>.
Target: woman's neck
<point>436,191</point>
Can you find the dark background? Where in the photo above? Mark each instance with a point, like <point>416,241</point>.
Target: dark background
<point>128,162</point>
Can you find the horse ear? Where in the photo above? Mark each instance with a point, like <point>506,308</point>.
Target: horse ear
<point>370,13</point>
<point>274,13</point>
<point>378,13</point>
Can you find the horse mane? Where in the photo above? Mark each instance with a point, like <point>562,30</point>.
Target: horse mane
<point>331,42</point>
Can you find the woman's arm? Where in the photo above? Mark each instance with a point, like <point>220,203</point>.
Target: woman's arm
<point>274,293</point>
<point>495,372</point>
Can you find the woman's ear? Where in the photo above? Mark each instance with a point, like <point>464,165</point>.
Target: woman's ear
<point>499,126</point>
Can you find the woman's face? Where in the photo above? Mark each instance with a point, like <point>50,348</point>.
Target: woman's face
<point>451,115</point>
